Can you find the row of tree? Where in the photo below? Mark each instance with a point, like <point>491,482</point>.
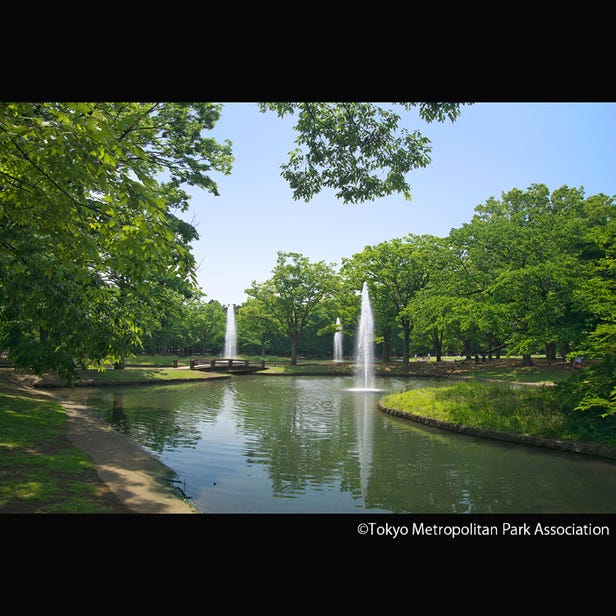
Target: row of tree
<point>532,272</point>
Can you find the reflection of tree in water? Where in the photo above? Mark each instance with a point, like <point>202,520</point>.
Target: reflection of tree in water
<point>118,417</point>
<point>450,473</point>
<point>410,479</point>
<point>307,436</point>
<point>158,417</point>
<point>301,448</point>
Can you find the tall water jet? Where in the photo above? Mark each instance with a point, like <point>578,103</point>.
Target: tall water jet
<point>364,346</point>
<point>230,350</point>
<point>338,353</point>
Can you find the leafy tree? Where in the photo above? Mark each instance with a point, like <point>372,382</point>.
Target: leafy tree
<point>256,327</point>
<point>356,149</point>
<point>294,293</point>
<point>432,314</point>
<point>593,389</point>
<point>86,229</point>
<point>206,323</point>
<point>523,265</point>
<point>395,270</point>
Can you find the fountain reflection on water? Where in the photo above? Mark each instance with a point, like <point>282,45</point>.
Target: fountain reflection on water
<point>305,445</point>
<point>230,350</point>
<point>364,346</point>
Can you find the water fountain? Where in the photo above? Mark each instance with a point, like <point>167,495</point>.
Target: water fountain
<point>338,353</point>
<point>364,345</point>
<point>230,350</point>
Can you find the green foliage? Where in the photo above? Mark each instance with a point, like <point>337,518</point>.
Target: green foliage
<point>356,149</point>
<point>295,293</point>
<point>257,331</point>
<point>396,271</point>
<point>525,259</point>
<point>591,389</point>
<point>87,231</point>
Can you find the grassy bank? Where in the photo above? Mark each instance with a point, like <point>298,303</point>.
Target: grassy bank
<point>128,376</point>
<point>41,472</point>
<point>316,368</point>
<point>529,411</point>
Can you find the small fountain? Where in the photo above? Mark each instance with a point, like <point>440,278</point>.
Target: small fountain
<point>338,353</point>
<point>364,346</point>
<point>230,350</point>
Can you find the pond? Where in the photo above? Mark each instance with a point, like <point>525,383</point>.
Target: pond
<point>293,444</point>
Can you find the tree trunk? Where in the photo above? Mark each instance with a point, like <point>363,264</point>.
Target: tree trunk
<point>294,350</point>
<point>527,360</point>
<point>550,351</point>
<point>437,341</point>
<point>564,349</point>
<point>405,347</point>
<point>386,344</point>
<point>490,340</point>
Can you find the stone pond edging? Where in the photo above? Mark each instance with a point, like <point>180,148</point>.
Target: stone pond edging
<point>590,449</point>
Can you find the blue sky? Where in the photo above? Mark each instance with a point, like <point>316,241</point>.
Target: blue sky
<point>490,149</point>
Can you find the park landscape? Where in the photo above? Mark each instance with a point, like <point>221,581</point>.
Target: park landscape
<point>508,321</point>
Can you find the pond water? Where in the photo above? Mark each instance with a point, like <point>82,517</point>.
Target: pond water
<point>257,444</point>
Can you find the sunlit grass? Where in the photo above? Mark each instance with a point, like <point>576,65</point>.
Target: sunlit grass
<point>529,411</point>
<point>311,368</point>
<point>40,471</point>
<point>129,376</point>
<point>142,374</point>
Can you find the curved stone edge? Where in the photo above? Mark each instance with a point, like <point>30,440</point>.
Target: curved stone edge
<point>590,449</point>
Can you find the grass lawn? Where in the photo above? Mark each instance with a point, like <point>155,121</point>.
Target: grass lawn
<point>529,411</point>
<point>315,368</point>
<point>127,376</point>
<point>508,369</point>
<point>41,472</point>
<point>501,370</point>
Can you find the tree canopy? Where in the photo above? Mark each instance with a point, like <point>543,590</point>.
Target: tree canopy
<point>357,149</point>
<point>87,228</point>
<point>94,254</point>
<point>293,295</point>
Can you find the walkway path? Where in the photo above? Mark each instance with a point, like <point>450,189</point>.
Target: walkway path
<point>138,479</point>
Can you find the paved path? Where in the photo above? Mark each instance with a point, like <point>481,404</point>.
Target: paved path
<point>138,479</point>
